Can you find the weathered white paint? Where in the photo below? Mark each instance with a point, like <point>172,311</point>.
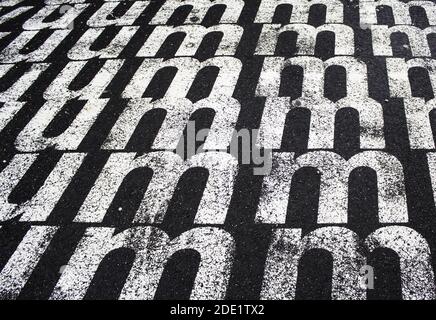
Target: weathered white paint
<point>333,195</point>
<point>23,83</point>
<point>15,13</point>
<point>199,10</point>
<point>153,249</point>
<point>12,53</point>
<point>37,21</point>
<point>39,207</point>
<point>10,3</point>
<point>398,74</point>
<point>300,10</point>
<point>178,112</point>
<point>8,110</point>
<point>288,246</point>
<point>194,35</point>
<point>306,38</point>
<point>322,121</point>
<point>313,76</point>
<point>82,48</point>
<point>59,88</point>
<point>21,264</point>
<point>167,169</point>
<point>417,276</point>
<point>100,17</point>
<point>400,10</point>
<point>32,138</point>
<point>418,122</point>
<point>187,70</point>
<point>381,39</point>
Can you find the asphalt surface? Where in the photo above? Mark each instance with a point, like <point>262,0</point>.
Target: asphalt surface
<point>252,239</point>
